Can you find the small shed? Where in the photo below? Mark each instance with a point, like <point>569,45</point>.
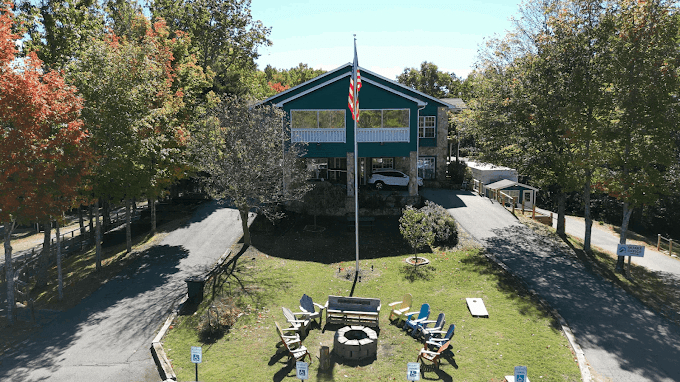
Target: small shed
<point>522,192</point>
<point>487,173</point>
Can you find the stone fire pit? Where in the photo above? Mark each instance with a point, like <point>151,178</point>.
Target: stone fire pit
<point>355,343</point>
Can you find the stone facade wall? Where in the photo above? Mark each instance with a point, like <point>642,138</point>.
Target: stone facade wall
<point>441,150</point>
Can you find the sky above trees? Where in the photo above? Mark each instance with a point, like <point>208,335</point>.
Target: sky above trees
<point>391,35</point>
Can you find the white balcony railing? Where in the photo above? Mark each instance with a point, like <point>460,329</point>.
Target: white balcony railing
<point>384,135</point>
<point>318,135</point>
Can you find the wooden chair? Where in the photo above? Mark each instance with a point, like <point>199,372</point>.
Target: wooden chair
<point>399,308</point>
<point>308,307</point>
<point>437,342</point>
<point>421,329</point>
<point>300,323</point>
<point>412,320</point>
<point>432,356</point>
<point>298,353</point>
<point>292,340</point>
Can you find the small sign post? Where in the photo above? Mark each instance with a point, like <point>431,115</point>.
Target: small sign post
<point>302,370</point>
<point>196,357</point>
<point>521,374</point>
<point>413,371</point>
<point>630,250</point>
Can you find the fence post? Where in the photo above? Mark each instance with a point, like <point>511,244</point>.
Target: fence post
<point>513,205</point>
<point>533,212</point>
<point>658,242</point>
<point>670,247</point>
<point>522,207</point>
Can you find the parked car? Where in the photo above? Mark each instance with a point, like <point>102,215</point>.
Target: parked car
<point>390,177</point>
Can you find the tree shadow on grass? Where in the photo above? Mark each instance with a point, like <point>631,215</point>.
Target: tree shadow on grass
<point>288,239</point>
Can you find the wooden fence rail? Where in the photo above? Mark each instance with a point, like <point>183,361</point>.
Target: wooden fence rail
<point>660,241</point>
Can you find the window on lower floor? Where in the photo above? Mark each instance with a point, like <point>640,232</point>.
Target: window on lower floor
<point>378,163</point>
<point>427,167</point>
<point>427,127</point>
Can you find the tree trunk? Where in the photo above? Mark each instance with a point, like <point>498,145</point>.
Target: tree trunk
<point>106,215</point>
<point>44,257</point>
<point>128,228</point>
<point>59,275</point>
<point>97,237</point>
<point>9,271</point>
<point>91,207</point>
<point>81,220</point>
<point>152,208</point>
<point>627,211</point>
<point>561,207</point>
<point>244,224</point>
<point>586,212</point>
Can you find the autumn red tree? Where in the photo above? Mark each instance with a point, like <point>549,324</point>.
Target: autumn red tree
<point>43,144</point>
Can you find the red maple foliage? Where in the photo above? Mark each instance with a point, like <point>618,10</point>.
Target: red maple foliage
<point>43,150</point>
<point>277,87</point>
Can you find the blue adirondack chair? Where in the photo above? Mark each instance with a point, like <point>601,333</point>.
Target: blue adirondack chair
<point>437,342</point>
<point>412,321</point>
<point>423,329</point>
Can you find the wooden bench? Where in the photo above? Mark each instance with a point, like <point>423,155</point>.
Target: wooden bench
<point>364,221</point>
<point>353,311</point>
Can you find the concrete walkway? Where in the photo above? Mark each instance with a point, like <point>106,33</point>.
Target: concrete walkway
<point>107,336</point>
<point>607,241</point>
<point>622,340</point>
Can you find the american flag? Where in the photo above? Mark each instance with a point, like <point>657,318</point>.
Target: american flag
<point>354,93</point>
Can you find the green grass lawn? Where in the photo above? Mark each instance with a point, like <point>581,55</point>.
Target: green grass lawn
<point>518,331</point>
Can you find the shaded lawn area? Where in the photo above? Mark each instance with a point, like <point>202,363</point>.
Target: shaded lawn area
<point>287,261</point>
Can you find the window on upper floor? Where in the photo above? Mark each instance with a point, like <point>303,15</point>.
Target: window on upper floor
<point>317,119</point>
<point>384,118</point>
<point>427,127</point>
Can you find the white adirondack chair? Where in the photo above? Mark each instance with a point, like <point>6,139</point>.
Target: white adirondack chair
<point>297,320</point>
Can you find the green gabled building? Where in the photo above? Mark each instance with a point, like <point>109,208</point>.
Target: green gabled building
<point>398,127</point>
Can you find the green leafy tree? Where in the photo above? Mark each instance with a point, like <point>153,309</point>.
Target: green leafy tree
<point>643,83</point>
<point>430,80</point>
<point>58,30</point>
<point>416,228</point>
<point>246,152</point>
<point>132,110</point>
<point>224,37</point>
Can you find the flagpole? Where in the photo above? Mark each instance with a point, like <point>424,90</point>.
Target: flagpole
<point>356,165</point>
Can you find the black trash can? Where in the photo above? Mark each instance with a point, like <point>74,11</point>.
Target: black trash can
<point>195,289</point>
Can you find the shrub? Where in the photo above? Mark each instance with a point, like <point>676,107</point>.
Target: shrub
<point>459,172</point>
<point>443,224</point>
<point>218,319</point>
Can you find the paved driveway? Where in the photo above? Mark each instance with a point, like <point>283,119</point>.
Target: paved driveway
<point>107,336</point>
<point>664,265</point>
<point>622,340</point>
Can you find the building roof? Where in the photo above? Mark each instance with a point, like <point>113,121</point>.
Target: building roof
<point>485,166</point>
<point>369,77</point>
<point>506,183</point>
<point>456,103</point>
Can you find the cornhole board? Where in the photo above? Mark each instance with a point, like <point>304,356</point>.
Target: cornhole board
<point>477,308</point>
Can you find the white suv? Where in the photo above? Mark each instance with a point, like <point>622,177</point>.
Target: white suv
<point>390,177</point>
